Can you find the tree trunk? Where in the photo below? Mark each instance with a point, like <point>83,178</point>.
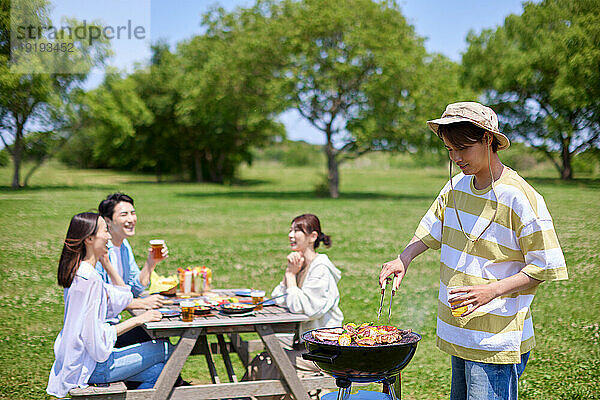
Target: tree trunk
<point>333,176</point>
<point>17,154</point>
<point>198,166</point>
<point>566,172</point>
<point>211,166</point>
<point>220,167</point>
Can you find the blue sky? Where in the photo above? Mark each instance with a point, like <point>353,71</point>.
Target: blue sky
<point>443,23</point>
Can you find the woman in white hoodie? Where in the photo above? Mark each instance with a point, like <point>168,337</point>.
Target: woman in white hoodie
<point>310,282</point>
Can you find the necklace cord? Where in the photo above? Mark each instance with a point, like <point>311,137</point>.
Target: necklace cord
<point>468,236</point>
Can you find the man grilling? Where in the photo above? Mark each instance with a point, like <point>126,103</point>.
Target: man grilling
<point>497,244</point>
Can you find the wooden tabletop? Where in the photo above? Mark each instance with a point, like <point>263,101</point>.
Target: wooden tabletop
<point>269,315</point>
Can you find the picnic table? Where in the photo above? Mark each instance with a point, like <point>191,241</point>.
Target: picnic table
<point>193,341</point>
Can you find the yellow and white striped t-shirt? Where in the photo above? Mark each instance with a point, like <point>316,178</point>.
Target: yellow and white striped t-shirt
<point>521,238</point>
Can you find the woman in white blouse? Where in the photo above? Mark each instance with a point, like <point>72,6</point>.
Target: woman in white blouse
<point>310,284</point>
<point>84,349</point>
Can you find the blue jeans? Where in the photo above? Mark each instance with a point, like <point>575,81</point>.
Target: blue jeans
<point>473,380</point>
<point>142,362</point>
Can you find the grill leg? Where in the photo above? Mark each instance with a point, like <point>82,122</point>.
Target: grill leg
<point>344,393</point>
<point>344,389</point>
<point>388,387</point>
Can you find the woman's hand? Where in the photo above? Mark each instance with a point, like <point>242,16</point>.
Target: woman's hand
<point>153,301</point>
<point>395,267</point>
<point>150,316</point>
<point>295,262</point>
<point>147,303</point>
<point>111,271</point>
<point>129,324</point>
<point>104,261</point>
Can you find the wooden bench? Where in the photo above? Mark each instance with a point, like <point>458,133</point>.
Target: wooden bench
<point>118,390</point>
<point>113,391</point>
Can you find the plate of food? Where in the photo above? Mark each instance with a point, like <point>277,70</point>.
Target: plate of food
<point>202,310</point>
<point>167,312</point>
<point>236,308</point>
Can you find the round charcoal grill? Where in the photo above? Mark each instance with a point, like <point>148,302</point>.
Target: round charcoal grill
<point>379,363</point>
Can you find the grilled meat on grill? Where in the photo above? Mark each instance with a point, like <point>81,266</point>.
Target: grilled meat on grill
<point>363,335</point>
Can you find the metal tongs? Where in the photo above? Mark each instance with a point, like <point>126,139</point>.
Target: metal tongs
<point>383,296</point>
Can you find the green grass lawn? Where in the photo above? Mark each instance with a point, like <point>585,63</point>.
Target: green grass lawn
<point>240,231</point>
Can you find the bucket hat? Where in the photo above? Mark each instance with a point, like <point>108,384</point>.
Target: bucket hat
<point>475,113</point>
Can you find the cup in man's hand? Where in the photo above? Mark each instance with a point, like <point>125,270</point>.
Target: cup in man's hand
<point>157,246</point>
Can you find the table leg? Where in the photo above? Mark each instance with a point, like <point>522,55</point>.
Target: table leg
<point>205,349</point>
<point>241,348</point>
<point>282,362</point>
<point>226,359</point>
<point>174,364</point>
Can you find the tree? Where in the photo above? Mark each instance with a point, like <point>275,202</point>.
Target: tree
<point>357,71</point>
<point>540,71</point>
<point>197,111</point>
<point>38,99</point>
<point>112,116</point>
<point>396,119</point>
<point>228,92</point>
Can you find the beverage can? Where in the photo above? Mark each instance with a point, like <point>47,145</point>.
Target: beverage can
<point>457,312</point>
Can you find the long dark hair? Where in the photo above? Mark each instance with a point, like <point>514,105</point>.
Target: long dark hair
<point>309,223</point>
<point>82,226</point>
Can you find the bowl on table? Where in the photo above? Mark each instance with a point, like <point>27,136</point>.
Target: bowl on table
<point>167,312</point>
<point>202,310</point>
<point>236,308</point>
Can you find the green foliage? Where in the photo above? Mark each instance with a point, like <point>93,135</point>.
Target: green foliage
<point>195,112</point>
<point>321,188</point>
<point>296,157</point>
<point>228,101</point>
<point>37,145</point>
<point>587,162</point>
<point>78,151</point>
<point>521,157</point>
<point>116,111</point>
<point>540,72</point>
<point>357,71</point>
<point>40,99</point>
<point>4,158</point>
